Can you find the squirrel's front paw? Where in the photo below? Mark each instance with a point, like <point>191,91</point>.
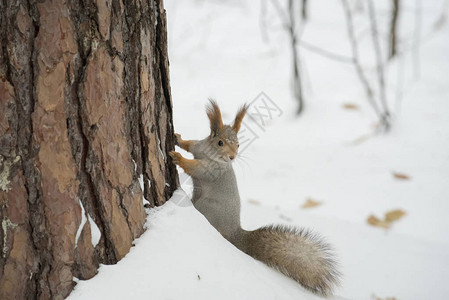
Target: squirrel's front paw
<point>175,156</point>
<point>178,139</point>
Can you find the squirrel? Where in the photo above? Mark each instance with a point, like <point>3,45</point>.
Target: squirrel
<point>297,253</point>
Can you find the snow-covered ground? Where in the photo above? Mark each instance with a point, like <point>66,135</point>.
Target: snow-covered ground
<point>329,154</point>
<point>182,257</point>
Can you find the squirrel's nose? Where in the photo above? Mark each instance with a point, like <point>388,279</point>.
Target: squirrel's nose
<point>231,157</point>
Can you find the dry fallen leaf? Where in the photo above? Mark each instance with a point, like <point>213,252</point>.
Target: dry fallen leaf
<point>360,139</point>
<point>253,202</point>
<point>373,296</point>
<point>394,215</point>
<point>375,221</point>
<point>401,176</point>
<point>390,217</point>
<point>350,106</point>
<point>310,203</point>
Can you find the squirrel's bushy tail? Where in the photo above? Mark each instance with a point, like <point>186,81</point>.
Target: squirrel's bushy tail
<point>297,253</point>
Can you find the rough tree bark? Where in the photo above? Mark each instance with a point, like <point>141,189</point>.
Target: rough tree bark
<point>85,111</point>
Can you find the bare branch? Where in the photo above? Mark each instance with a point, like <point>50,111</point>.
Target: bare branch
<point>304,7</point>
<point>297,84</point>
<point>326,53</point>
<point>442,18</point>
<point>355,55</point>
<point>290,26</point>
<point>281,13</point>
<point>393,29</point>
<point>385,119</point>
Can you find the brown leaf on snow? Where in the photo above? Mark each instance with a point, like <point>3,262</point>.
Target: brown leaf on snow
<point>350,106</point>
<point>401,176</point>
<point>310,203</point>
<point>374,297</point>
<point>253,202</point>
<point>360,139</point>
<point>375,221</point>
<point>390,217</point>
<point>394,215</point>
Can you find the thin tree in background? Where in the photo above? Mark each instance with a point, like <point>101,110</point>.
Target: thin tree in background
<point>291,25</point>
<point>385,114</point>
<point>304,9</point>
<point>356,59</point>
<point>393,29</point>
<point>382,110</point>
<point>297,83</point>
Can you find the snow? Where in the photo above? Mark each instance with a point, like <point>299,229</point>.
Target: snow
<point>142,187</point>
<point>141,182</point>
<point>181,256</point>
<point>330,154</point>
<point>83,221</point>
<point>95,233</point>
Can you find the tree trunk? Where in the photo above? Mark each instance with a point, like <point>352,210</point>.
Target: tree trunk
<point>85,114</point>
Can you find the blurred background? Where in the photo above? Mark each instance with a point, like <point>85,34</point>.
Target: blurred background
<point>348,131</point>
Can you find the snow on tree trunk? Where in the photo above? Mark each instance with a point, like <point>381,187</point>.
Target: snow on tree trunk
<point>85,115</point>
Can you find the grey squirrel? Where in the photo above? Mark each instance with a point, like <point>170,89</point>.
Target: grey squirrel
<point>297,253</point>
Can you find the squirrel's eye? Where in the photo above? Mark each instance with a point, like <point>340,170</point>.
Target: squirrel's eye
<point>238,145</point>
<point>220,143</point>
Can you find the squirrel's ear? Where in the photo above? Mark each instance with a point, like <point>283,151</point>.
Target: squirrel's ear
<point>239,117</point>
<point>214,115</point>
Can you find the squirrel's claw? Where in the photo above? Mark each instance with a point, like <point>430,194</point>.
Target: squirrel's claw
<point>175,156</point>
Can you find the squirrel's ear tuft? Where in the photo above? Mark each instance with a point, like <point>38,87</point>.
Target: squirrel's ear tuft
<point>214,115</point>
<point>239,117</point>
